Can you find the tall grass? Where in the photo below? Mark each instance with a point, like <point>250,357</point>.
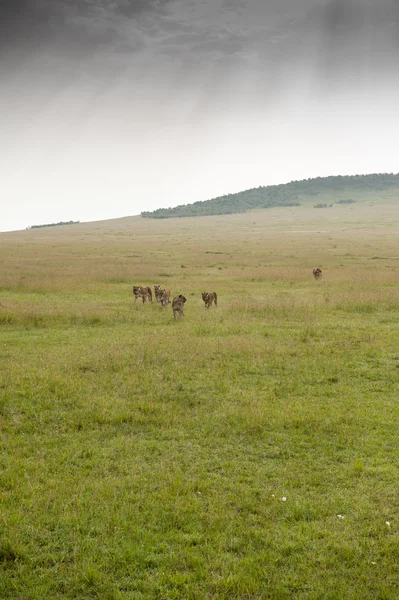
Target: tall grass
<point>247,451</point>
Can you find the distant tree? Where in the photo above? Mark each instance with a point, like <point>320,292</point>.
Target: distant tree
<point>53,224</point>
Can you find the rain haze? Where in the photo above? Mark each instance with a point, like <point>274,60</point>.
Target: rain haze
<point>109,107</point>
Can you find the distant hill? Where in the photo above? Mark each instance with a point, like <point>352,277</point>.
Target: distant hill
<point>335,188</point>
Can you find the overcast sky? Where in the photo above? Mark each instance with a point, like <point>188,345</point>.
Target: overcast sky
<point>110,107</point>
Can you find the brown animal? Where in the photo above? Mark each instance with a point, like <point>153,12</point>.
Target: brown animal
<point>317,273</point>
<point>158,292</point>
<point>143,292</point>
<point>209,298</point>
<point>177,305</point>
<point>165,298</point>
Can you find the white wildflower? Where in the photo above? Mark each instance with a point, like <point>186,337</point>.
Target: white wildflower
<point>388,523</point>
<point>341,516</point>
<point>283,498</point>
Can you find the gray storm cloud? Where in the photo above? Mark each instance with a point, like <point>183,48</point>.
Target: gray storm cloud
<point>223,52</point>
<point>226,32</point>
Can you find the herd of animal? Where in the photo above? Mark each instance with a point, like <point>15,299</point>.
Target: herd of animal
<point>163,296</point>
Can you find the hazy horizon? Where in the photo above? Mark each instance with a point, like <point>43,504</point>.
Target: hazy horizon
<point>112,108</point>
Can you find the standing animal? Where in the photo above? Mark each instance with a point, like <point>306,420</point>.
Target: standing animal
<point>158,292</point>
<point>165,298</point>
<point>177,305</point>
<point>317,273</point>
<point>209,298</point>
<point>143,292</point>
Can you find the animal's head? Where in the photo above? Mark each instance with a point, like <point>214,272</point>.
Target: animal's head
<point>182,298</point>
<point>205,296</point>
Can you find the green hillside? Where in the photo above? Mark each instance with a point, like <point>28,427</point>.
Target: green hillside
<point>340,189</point>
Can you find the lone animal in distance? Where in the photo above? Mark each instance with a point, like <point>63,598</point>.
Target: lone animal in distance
<point>317,273</point>
<point>210,298</point>
<point>177,305</point>
<point>143,292</point>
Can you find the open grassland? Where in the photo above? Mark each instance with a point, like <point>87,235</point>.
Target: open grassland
<point>244,452</point>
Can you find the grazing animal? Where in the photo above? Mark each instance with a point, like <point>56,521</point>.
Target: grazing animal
<point>317,273</point>
<point>158,292</point>
<point>165,298</point>
<point>177,305</point>
<point>209,298</point>
<point>143,292</point>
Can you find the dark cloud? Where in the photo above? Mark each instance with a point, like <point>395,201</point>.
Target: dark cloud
<point>339,14</point>
<point>332,36</point>
<point>358,37</point>
<point>21,22</point>
<point>70,26</point>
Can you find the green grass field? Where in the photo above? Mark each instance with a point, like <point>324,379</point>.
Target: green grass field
<point>244,452</point>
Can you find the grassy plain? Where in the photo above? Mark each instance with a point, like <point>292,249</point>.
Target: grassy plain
<point>248,451</point>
